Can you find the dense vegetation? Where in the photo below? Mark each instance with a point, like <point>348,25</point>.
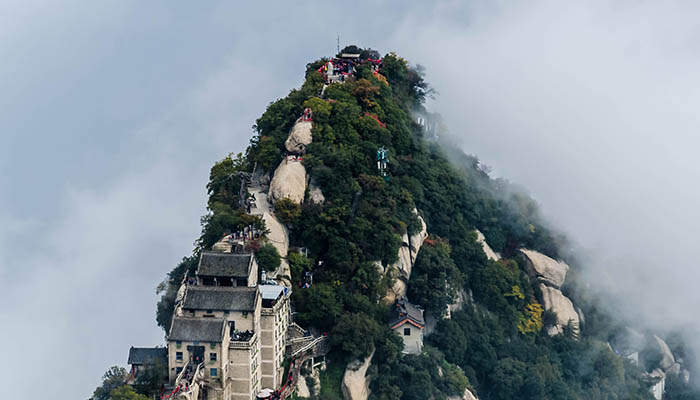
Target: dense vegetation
<point>495,345</point>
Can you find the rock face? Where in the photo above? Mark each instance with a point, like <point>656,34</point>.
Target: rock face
<point>667,359</point>
<point>289,181</point>
<point>299,137</point>
<point>408,252</point>
<point>278,237</point>
<point>355,383</point>
<point>466,396</point>
<point>304,390</point>
<point>545,269</point>
<point>554,300</point>
<point>658,389</point>
<point>315,193</point>
<point>490,254</point>
<point>409,249</point>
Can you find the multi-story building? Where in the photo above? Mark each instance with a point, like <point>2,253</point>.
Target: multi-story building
<point>228,328</point>
<point>275,318</point>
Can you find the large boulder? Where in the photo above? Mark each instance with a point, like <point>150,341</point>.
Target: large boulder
<point>289,181</point>
<point>304,390</point>
<point>490,254</point>
<point>299,137</point>
<point>667,359</point>
<point>466,396</point>
<point>554,300</point>
<point>409,249</point>
<point>408,252</point>
<point>545,269</point>
<point>315,193</point>
<point>355,384</point>
<point>657,390</point>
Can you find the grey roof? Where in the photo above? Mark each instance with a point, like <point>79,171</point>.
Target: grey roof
<point>272,292</point>
<point>234,265</point>
<point>197,329</point>
<point>220,298</point>
<point>403,310</point>
<point>147,355</point>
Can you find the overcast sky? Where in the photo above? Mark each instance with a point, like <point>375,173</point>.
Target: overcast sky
<point>111,114</point>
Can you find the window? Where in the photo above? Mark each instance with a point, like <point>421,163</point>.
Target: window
<point>212,356</point>
<point>407,331</point>
<point>178,370</point>
<point>210,311</point>
<point>178,344</point>
<point>212,372</point>
<point>213,345</point>
<point>178,356</point>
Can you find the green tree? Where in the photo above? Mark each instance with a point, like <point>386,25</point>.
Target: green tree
<point>126,393</point>
<point>287,211</point>
<point>355,334</point>
<point>435,277</point>
<point>317,306</point>
<point>113,378</point>
<point>298,264</point>
<point>150,381</point>
<point>268,258</point>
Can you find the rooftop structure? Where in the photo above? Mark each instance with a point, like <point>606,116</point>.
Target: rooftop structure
<point>219,299</point>
<point>227,269</point>
<point>224,264</point>
<point>147,355</point>
<point>197,329</point>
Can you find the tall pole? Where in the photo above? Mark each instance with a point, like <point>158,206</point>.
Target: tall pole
<point>337,43</point>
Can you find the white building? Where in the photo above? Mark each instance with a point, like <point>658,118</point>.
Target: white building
<point>408,322</point>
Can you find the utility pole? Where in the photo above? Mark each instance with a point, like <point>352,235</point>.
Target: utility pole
<point>337,43</point>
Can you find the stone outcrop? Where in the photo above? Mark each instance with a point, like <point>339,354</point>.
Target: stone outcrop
<point>667,359</point>
<point>468,395</point>
<point>658,389</point>
<point>545,269</point>
<point>409,249</point>
<point>315,193</point>
<point>303,389</point>
<point>278,236</point>
<point>355,384</point>
<point>289,181</point>
<point>408,252</point>
<point>554,300</point>
<point>490,254</point>
<point>299,137</point>
<point>309,386</point>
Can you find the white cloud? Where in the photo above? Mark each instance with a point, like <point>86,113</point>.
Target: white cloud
<point>592,107</point>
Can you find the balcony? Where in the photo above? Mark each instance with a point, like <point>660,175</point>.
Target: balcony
<point>242,339</point>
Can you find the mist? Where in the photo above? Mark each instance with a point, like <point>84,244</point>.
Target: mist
<point>112,114</point>
<point>593,108</point>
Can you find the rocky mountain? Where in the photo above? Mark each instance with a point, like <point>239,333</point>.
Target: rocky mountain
<point>431,279</point>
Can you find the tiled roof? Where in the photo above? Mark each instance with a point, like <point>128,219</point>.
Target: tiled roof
<point>220,298</point>
<point>234,265</point>
<point>197,329</point>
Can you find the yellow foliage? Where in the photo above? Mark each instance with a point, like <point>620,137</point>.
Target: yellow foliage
<point>531,319</point>
<point>515,292</point>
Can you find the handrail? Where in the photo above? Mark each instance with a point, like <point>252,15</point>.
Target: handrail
<point>310,345</point>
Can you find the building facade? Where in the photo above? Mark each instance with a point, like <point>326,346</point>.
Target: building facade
<point>407,321</point>
<point>229,329</point>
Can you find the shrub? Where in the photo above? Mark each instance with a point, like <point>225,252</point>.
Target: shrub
<point>268,258</point>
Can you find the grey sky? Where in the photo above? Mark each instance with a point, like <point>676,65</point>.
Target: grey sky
<point>112,112</point>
